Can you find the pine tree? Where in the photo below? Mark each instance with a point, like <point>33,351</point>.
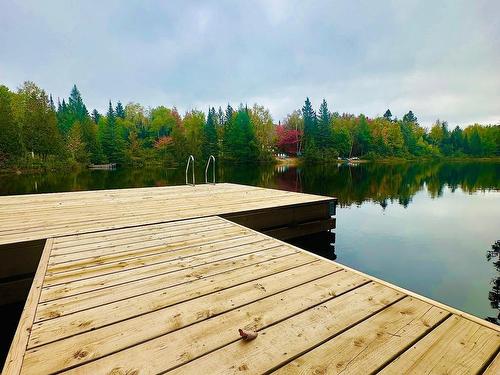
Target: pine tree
<point>108,133</point>
<point>51,101</point>
<point>210,134</point>
<point>227,126</point>
<point>220,116</point>
<point>388,115</point>
<point>457,140</point>
<point>64,118</point>
<point>410,117</point>
<point>120,112</point>
<point>323,133</point>
<point>76,107</point>
<point>475,145</point>
<point>241,138</point>
<point>228,117</point>
<point>445,144</point>
<point>309,117</point>
<point>95,116</point>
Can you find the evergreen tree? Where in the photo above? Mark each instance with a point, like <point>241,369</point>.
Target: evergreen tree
<point>457,140</point>
<point>410,117</point>
<point>388,115</point>
<point>409,136</point>
<point>220,116</point>
<point>95,116</point>
<point>220,132</point>
<point>323,135</point>
<point>106,132</point>
<point>76,107</point>
<point>475,145</point>
<point>64,118</point>
<point>241,138</point>
<point>51,101</point>
<point>210,134</point>
<point>120,112</point>
<point>112,141</point>
<point>226,130</point>
<point>228,117</point>
<point>309,117</point>
<point>445,144</point>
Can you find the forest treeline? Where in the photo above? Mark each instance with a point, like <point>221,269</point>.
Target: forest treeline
<point>34,129</point>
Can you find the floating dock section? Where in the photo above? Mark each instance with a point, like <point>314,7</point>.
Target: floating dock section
<point>169,295</point>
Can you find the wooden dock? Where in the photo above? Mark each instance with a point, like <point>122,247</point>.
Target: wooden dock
<point>40,216</point>
<point>169,297</point>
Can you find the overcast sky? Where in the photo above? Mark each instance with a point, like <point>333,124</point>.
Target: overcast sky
<point>440,59</point>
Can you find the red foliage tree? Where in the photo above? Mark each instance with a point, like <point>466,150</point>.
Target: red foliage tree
<point>288,139</point>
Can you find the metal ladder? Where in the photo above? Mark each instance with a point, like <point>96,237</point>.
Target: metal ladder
<point>190,158</point>
<point>210,158</point>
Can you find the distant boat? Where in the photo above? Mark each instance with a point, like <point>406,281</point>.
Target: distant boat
<point>102,166</point>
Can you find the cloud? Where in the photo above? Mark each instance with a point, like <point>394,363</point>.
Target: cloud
<point>438,59</point>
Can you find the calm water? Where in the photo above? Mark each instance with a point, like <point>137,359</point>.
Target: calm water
<point>425,227</point>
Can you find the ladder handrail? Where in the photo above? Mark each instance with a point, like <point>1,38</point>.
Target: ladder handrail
<point>190,158</point>
<point>211,157</point>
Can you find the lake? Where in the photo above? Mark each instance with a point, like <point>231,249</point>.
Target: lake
<point>426,227</point>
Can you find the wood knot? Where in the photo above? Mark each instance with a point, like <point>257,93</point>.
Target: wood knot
<point>85,324</point>
<point>80,353</point>
<point>359,342</point>
<point>260,287</point>
<point>243,367</point>
<point>120,371</point>
<point>54,314</point>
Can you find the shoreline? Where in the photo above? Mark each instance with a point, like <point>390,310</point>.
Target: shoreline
<point>291,162</point>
